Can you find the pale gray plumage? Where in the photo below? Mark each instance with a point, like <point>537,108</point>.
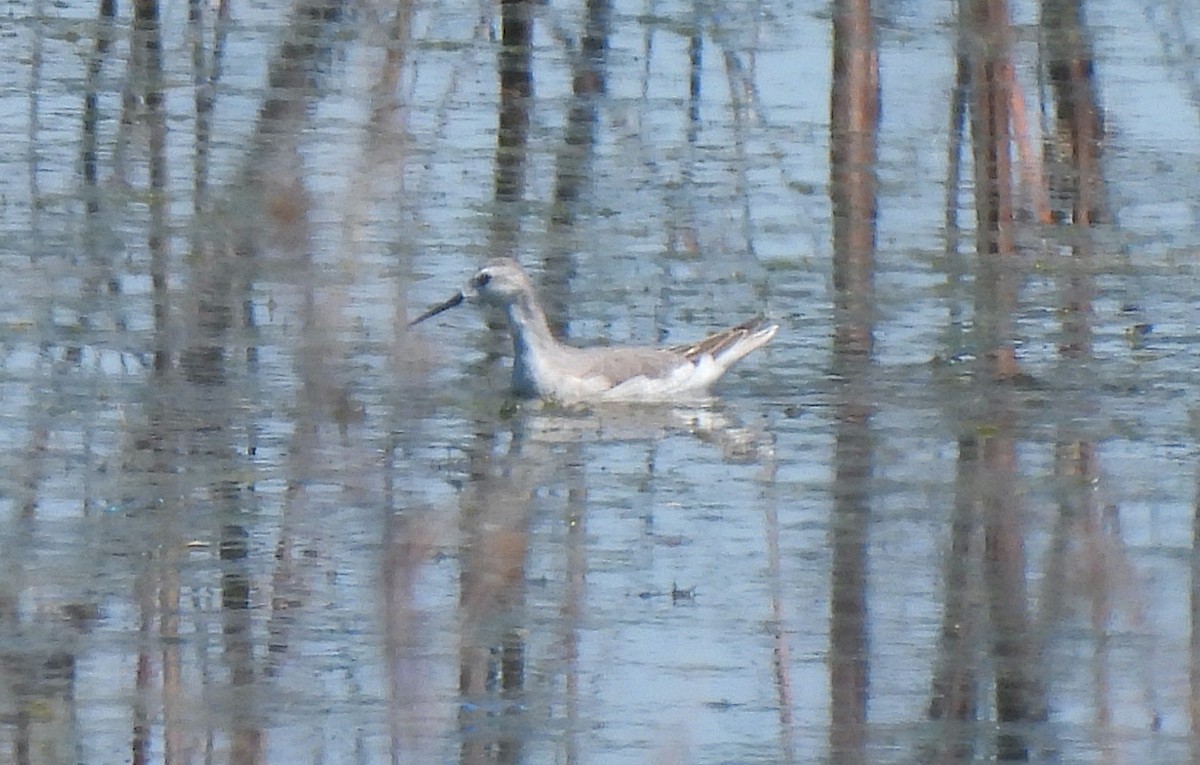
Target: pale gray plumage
<point>544,367</point>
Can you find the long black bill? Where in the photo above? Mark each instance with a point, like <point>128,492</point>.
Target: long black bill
<point>446,306</point>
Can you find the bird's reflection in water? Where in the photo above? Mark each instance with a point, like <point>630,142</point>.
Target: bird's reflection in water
<point>709,421</point>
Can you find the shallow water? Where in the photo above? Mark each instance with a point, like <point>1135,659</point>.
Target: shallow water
<point>247,516</point>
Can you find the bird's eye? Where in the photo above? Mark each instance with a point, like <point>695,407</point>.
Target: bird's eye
<point>482,280</point>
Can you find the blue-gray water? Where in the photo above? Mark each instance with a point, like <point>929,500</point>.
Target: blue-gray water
<point>247,516</point>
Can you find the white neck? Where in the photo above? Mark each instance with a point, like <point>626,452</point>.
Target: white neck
<point>532,341</point>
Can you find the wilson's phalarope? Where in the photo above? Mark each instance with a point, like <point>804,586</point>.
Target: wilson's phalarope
<point>544,367</point>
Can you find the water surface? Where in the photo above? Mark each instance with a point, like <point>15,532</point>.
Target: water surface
<point>247,516</point>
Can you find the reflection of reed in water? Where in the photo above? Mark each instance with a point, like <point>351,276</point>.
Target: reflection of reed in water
<point>854,190</point>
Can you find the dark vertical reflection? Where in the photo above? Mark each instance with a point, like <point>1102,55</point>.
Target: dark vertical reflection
<point>36,59</point>
<point>741,97</point>
<point>849,674</point>
<point>148,38</point>
<point>682,225</point>
<point>147,57</point>
<point>1079,196</point>
<point>987,27</point>
<point>495,515</point>
<point>854,119</point>
<point>170,634</point>
<point>101,279</point>
<point>516,91</point>
<point>1077,181</point>
<point>695,79</point>
<point>202,101</point>
<point>515,64</point>
<point>245,735</point>
<point>849,670</point>
<point>33,468</point>
<point>91,107</point>
<point>206,72</point>
<point>958,119</point>
<point>588,84</point>
<point>955,684</point>
<point>1020,697</point>
<point>574,160</point>
<point>1012,644</point>
<point>139,743</point>
<point>958,263</point>
<point>991,94</point>
<point>1076,311</point>
<point>39,714</point>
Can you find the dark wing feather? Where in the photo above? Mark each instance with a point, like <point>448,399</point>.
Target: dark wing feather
<point>718,342</point>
